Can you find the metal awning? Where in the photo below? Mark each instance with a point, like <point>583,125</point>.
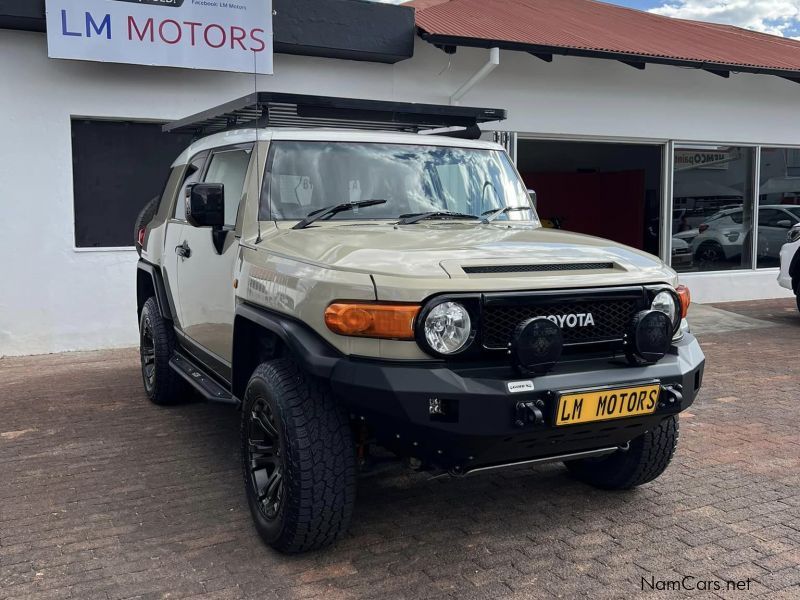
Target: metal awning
<point>275,109</point>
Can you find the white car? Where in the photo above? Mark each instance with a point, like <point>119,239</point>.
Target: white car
<point>681,254</point>
<point>721,237</point>
<point>789,276</point>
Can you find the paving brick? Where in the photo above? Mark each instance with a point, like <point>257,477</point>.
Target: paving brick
<point>104,495</point>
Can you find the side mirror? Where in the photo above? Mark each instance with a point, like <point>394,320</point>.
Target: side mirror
<point>785,224</point>
<point>532,196</point>
<point>205,205</point>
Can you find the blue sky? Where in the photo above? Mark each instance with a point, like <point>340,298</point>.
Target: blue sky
<point>778,17</point>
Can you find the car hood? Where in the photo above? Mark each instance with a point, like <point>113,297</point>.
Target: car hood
<point>443,250</point>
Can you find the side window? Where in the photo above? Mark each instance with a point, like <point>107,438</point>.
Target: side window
<point>192,175</point>
<point>769,217</point>
<point>229,167</point>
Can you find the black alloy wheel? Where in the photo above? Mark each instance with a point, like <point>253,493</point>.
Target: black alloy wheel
<point>265,457</point>
<point>147,352</point>
<point>710,253</point>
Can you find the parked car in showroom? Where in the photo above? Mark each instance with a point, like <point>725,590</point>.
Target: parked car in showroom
<point>789,276</point>
<point>721,237</point>
<point>682,257</point>
<point>353,288</point>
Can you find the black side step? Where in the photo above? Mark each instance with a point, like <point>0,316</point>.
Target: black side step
<point>199,380</point>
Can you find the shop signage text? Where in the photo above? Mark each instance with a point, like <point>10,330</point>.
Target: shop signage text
<point>195,34</point>
<point>703,159</point>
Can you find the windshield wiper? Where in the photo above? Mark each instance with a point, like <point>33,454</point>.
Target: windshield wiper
<point>443,214</point>
<point>329,211</point>
<point>496,212</point>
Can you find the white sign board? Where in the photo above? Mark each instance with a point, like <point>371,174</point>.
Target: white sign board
<point>218,35</point>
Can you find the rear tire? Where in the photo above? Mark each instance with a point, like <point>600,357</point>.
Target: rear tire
<point>298,459</point>
<point>646,459</point>
<point>156,345</point>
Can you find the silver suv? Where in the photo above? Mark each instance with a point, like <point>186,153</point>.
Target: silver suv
<point>351,289</point>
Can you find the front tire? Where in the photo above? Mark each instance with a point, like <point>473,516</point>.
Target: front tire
<point>646,459</point>
<point>710,253</point>
<point>156,345</point>
<point>298,459</point>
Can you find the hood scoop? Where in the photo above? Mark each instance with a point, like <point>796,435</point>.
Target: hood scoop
<point>540,268</point>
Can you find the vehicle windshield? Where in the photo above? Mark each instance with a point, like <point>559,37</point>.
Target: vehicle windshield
<point>795,210</point>
<point>306,176</point>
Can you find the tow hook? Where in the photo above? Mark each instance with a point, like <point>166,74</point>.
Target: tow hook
<point>529,413</point>
<point>673,394</point>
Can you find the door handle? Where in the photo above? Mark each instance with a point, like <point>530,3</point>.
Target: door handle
<point>183,250</point>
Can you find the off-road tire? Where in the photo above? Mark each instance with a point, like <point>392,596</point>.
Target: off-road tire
<point>166,386</point>
<point>646,459</point>
<point>797,299</point>
<point>317,458</point>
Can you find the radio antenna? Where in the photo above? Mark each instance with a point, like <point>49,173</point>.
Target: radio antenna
<point>259,170</point>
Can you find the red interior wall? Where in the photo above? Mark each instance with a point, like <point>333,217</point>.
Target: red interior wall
<point>609,205</point>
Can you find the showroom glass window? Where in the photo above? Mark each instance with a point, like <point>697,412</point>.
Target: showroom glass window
<point>779,202</point>
<point>713,210</point>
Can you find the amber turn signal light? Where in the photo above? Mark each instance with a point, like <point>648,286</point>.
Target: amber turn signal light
<point>685,296</point>
<point>392,321</point>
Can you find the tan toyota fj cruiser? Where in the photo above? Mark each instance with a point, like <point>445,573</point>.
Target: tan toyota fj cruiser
<point>351,288</point>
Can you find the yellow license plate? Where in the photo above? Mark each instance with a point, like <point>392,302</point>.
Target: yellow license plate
<point>602,405</point>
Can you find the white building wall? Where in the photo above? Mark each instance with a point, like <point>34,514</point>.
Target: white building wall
<point>54,297</point>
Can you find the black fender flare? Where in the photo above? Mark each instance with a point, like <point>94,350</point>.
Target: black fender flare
<point>162,298</point>
<point>316,356</point>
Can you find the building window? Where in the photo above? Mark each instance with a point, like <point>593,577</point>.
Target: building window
<point>779,202</point>
<point>609,190</point>
<point>117,167</point>
<point>712,217</point>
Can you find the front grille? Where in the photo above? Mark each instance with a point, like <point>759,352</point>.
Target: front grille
<point>538,268</point>
<point>611,319</point>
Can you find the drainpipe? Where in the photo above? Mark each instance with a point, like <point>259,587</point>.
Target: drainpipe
<point>491,65</point>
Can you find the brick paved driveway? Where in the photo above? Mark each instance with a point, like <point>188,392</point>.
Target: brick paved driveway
<point>103,495</point>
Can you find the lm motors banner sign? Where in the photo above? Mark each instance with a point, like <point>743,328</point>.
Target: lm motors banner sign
<point>219,35</point>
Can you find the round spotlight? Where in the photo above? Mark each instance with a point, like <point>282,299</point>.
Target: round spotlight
<point>536,345</point>
<point>649,337</point>
<point>447,328</point>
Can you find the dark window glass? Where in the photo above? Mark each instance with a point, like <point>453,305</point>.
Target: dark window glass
<point>608,190</point>
<point>779,197</point>
<point>117,167</point>
<point>229,167</point>
<point>713,202</point>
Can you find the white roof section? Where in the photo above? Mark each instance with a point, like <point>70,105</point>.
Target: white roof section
<point>243,136</point>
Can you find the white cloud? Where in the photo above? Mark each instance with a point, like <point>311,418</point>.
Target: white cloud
<point>778,17</point>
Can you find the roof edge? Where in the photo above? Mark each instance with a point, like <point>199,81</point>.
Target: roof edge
<point>445,41</point>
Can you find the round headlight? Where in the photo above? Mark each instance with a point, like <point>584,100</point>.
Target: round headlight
<point>447,328</point>
<point>665,302</point>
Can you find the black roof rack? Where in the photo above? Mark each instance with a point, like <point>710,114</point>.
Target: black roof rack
<point>274,109</point>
